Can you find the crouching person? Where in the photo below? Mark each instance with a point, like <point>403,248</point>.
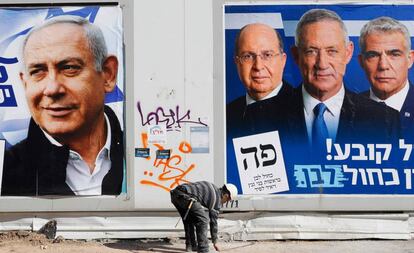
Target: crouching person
<point>199,203</point>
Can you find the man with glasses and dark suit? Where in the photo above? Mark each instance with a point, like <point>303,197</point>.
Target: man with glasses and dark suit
<point>260,61</point>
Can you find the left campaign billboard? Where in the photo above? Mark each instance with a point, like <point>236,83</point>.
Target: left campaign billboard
<point>62,100</point>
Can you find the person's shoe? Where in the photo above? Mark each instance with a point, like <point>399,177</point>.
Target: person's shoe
<point>190,248</point>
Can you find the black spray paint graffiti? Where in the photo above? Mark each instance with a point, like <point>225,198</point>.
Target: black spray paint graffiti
<point>264,154</point>
<point>231,204</point>
<point>172,118</point>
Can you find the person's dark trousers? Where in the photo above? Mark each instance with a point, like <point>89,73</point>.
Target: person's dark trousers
<point>197,216</point>
<point>190,239</point>
<point>181,200</point>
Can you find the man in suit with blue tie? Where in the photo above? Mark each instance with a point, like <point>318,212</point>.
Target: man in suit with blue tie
<point>323,108</point>
<point>386,58</point>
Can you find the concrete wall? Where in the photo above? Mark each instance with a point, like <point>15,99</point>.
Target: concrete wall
<point>173,73</point>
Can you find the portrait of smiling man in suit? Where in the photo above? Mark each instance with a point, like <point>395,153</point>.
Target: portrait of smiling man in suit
<point>74,144</point>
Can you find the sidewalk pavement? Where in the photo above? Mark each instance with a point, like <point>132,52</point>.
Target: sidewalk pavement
<point>297,246</point>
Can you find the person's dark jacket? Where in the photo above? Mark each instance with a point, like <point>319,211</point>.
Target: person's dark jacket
<point>262,116</point>
<point>209,196</point>
<point>36,167</point>
<point>406,113</point>
<point>361,121</point>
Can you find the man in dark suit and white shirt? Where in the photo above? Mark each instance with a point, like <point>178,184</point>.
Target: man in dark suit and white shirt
<point>323,108</point>
<point>386,58</point>
<point>260,61</point>
<point>74,144</point>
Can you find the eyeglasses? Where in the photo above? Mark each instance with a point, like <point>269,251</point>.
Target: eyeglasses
<point>250,58</point>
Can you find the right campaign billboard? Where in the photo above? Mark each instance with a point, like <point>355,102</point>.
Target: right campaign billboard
<point>319,98</point>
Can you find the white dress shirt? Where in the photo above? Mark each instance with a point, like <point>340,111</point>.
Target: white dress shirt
<point>78,176</point>
<point>396,101</point>
<point>250,100</point>
<point>331,115</point>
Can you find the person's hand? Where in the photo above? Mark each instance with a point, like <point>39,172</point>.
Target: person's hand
<point>216,247</point>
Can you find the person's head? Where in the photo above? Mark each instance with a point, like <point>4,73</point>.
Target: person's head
<point>386,55</point>
<point>66,73</point>
<point>322,50</point>
<point>260,59</point>
<point>228,192</point>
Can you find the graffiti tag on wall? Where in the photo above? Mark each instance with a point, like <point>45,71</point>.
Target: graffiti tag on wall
<point>167,173</point>
<point>172,118</point>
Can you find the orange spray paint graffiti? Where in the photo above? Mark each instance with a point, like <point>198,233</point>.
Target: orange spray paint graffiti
<point>170,172</point>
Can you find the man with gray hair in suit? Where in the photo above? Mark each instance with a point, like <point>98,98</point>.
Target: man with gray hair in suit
<point>74,144</point>
<point>324,108</point>
<point>386,58</point>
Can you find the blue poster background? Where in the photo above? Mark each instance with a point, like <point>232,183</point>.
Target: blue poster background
<point>348,176</point>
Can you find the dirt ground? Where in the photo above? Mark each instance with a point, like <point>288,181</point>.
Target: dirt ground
<point>24,242</point>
